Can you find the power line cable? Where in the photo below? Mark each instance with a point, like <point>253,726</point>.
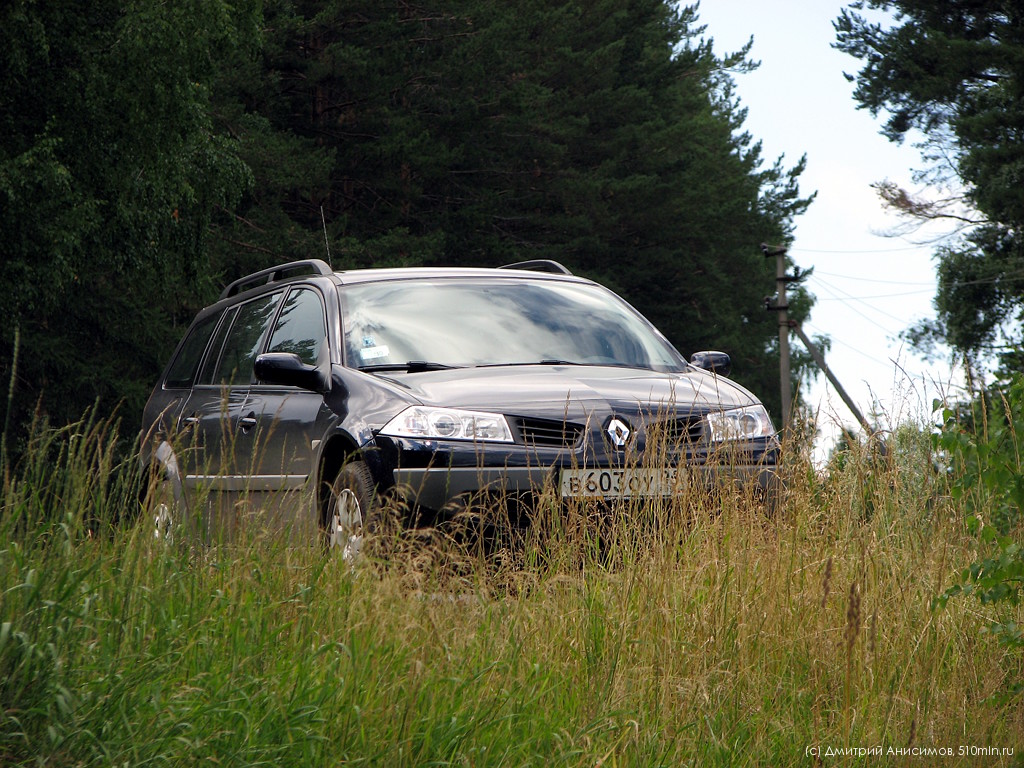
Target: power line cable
<point>880,250</point>
<point>834,290</point>
<point>922,371</point>
<point>833,339</point>
<point>871,279</point>
<point>1012,277</point>
<point>878,296</point>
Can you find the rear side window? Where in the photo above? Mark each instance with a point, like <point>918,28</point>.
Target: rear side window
<point>182,371</point>
<point>209,369</point>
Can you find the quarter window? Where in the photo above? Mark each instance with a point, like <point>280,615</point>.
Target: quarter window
<point>183,370</point>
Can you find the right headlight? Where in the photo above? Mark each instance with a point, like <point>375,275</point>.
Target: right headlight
<point>427,423</point>
<point>739,424</point>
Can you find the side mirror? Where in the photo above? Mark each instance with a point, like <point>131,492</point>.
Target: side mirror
<point>287,369</point>
<point>716,362</point>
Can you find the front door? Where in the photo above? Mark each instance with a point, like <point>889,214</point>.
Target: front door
<point>290,421</point>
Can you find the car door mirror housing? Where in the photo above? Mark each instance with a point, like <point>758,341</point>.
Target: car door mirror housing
<point>285,368</point>
<point>716,362</point>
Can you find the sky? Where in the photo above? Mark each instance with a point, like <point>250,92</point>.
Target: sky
<point>869,286</point>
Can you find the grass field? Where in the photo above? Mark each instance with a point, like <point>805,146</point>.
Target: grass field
<point>698,633</point>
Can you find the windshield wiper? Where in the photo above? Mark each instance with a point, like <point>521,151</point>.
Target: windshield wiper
<point>581,363</point>
<point>412,366</point>
<point>546,361</point>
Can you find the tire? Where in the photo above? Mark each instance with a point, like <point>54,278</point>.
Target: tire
<point>161,496</point>
<point>352,511</point>
<point>162,510</point>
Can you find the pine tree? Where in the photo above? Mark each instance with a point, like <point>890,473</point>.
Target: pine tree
<point>603,134</point>
<point>953,70</point>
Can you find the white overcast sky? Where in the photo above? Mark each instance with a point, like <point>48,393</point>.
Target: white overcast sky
<point>869,287</point>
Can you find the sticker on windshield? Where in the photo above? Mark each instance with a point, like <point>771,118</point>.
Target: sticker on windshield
<point>374,353</point>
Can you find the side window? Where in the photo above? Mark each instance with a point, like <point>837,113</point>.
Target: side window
<point>182,371</point>
<point>244,339</point>
<point>301,327</point>
<point>208,372</point>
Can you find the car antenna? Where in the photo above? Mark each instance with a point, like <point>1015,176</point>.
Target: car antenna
<point>326,242</point>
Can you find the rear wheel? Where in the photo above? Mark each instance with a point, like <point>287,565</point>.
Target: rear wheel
<point>352,510</point>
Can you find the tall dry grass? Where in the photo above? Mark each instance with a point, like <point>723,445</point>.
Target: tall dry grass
<point>701,632</point>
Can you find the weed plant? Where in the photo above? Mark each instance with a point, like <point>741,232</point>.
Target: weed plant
<point>693,631</point>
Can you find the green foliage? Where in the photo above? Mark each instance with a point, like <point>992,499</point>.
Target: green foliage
<point>954,70</point>
<point>983,446</point>
<point>111,170</point>
<point>150,151</point>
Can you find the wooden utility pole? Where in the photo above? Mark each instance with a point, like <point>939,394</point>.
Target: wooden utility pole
<point>781,306</point>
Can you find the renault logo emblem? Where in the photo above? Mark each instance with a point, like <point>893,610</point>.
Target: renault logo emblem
<point>618,431</point>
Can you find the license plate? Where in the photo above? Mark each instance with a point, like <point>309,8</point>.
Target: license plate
<point>622,483</point>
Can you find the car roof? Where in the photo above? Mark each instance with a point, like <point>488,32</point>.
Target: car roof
<point>351,276</point>
<point>290,273</point>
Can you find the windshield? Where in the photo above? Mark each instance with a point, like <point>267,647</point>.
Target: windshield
<point>474,322</point>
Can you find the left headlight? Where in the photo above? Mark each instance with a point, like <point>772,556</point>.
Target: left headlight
<point>739,424</point>
<point>425,423</point>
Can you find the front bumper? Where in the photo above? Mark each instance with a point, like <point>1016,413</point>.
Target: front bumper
<point>434,488</point>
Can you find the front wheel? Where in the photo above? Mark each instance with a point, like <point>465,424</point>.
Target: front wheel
<point>351,510</point>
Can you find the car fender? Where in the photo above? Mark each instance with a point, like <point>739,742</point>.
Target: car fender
<point>364,403</point>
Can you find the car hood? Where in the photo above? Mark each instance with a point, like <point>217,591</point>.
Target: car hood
<point>561,391</point>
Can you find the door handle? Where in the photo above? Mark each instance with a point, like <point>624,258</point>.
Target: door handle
<point>247,422</point>
<point>189,422</point>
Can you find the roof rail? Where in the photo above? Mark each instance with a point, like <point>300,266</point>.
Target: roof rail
<point>539,265</point>
<point>274,274</point>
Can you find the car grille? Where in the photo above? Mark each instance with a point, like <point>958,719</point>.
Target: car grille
<point>549,433</point>
<point>682,430</point>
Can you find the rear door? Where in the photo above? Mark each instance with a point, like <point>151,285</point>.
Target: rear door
<point>163,410</point>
